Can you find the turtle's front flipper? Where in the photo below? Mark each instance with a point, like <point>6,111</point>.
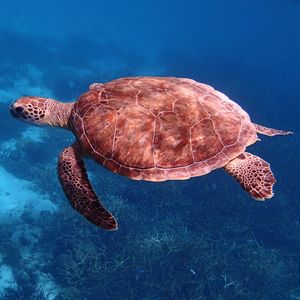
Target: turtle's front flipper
<point>76,185</point>
<point>254,175</point>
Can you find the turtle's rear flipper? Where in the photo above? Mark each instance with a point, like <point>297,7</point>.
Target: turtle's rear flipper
<point>76,185</point>
<point>270,131</point>
<point>253,174</point>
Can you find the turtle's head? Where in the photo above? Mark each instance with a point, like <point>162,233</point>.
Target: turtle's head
<point>30,109</point>
<point>41,111</point>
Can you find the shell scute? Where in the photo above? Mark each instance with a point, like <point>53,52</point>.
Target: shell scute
<point>104,125</point>
<point>190,111</point>
<point>155,100</point>
<point>133,137</point>
<point>205,141</point>
<point>230,133</point>
<point>172,143</point>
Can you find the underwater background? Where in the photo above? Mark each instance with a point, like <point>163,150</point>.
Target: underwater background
<point>203,238</point>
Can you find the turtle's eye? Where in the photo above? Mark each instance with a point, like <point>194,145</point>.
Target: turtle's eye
<point>19,109</point>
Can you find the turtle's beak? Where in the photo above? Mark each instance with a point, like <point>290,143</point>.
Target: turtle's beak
<point>16,110</point>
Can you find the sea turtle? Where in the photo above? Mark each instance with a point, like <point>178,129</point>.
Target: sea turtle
<point>151,128</point>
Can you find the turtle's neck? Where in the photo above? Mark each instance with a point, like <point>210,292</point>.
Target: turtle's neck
<point>59,113</point>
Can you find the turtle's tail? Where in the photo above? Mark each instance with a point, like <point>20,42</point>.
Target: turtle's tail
<point>270,131</point>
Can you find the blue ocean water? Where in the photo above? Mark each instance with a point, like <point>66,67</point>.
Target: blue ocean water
<point>202,238</point>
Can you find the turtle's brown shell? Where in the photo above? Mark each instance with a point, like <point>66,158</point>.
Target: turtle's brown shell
<point>160,128</point>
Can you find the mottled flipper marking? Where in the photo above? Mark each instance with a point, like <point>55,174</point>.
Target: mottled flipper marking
<point>76,185</point>
<point>253,174</point>
<point>270,131</point>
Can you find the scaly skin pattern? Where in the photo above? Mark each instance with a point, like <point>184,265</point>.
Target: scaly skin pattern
<point>253,174</point>
<point>157,129</point>
<point>75,183</point>
<point>42,111</point>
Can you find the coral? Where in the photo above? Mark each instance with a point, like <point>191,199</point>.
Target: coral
<point>32,292</point>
